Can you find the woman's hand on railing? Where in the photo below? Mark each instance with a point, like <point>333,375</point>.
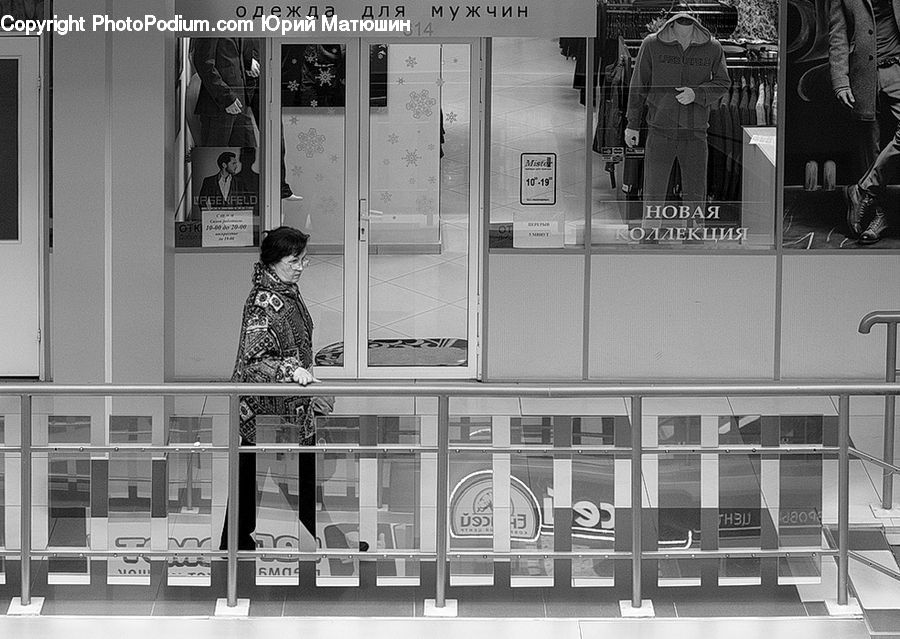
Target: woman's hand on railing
<point>304,377</point>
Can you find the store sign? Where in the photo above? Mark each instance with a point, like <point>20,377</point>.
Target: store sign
<point>227,227</point>
<point>427,18</point>
<point>537,179</point>
<point>472,509</point>
<point>537,234</point>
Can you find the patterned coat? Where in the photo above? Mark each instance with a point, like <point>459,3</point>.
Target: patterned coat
<point>276,338</point>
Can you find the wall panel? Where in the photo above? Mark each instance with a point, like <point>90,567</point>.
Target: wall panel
<point>685,317</point>
<point>825,296</point>
<point>210,290</point>
<point>535,316</point>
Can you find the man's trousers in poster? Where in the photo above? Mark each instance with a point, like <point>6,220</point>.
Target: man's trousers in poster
<point>660,153</point>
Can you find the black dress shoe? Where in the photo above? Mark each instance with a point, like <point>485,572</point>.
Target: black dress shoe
<point>875,230</point>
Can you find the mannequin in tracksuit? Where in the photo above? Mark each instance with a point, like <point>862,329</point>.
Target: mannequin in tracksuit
<point>679,75</point>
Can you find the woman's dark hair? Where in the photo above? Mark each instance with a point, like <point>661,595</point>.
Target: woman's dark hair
<point>280,243</point>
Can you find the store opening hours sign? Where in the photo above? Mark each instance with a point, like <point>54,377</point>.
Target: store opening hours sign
<point>227,227</point>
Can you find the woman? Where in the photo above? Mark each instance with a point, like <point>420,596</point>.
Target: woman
<point>276,346</point>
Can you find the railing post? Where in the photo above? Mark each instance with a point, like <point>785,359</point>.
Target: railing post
<point>636,501</point>
<point>843,497</point>
<point>887,481</point>
<point>25,515</point>
<point>234,425</point>
<point>443,470</point>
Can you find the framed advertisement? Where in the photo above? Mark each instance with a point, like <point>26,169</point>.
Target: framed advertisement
<point>537,179</point>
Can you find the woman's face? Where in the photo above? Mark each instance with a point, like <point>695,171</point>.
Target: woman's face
<point>290,267</point>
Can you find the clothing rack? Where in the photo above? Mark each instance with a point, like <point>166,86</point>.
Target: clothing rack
<point>630,20</point>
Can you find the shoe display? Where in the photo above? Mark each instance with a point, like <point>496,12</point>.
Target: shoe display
<point>875,230</point>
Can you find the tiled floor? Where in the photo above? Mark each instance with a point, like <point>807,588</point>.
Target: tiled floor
<point>265,628</point>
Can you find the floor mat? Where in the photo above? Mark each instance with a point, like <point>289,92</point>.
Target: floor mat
<point>434,351</point>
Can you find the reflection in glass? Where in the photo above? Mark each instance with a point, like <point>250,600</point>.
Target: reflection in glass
<point>800,517</point>
<point>127,429</point>
<point>129,517</point>
<point>531,430</point>
<point>530,516</point>
<point>337,520</point>
<point>399,505</point>
<point>65,429</point>
<point>69,512</point>
<point>278,496</point>
<point>189,507</point>
<point>470,430</point>
<point>740,500</point>
<point>679,517</point>
<point>471,517</point>
<point>593,516</point>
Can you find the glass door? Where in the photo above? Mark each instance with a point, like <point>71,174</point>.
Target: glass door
<point>373,150</point>
<point>417,218</point>
<point>313,173</point>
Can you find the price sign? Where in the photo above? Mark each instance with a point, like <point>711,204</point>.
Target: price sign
<point>537,179</point>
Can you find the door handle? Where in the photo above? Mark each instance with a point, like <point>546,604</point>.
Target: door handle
<point>363,220</point>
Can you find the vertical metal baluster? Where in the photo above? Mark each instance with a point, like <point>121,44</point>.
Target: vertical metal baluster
<point>843,497</point>
<point>636,502</point>
<point>443,462</point>
<point>887,478</point>
<point>25,515</point>
<point>233,491</point>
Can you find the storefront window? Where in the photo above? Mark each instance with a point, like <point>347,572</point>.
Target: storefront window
<point>537,144</point>
<point>221,80</point>
<point>841,112</point>
<point>683,109</point>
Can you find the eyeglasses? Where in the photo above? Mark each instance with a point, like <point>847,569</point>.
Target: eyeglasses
<point>300,264</point>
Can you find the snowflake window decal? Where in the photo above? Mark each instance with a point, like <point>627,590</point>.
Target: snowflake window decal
<point>411,62</point>
<point>451,117</point>
<point>325,77</point>
<point>293,85</point>
<point>424,204</point>
<point>334,158</point>
<point>294,120</point>
<point>310,142</point>
<point>297,171</point>
<point>411,157</point>
<point>400,80</point>
<point>386,196</point>
<point>329,204</point>
<point>393,138</point>
<point>420,104</point>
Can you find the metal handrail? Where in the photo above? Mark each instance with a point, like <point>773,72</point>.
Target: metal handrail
<point>458,389</point>
<point>444,391</point>
<point>890,319</point>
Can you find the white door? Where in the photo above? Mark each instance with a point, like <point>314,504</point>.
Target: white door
<point>20,208</point>
<point>418,208</point>
<point>380,139</point>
